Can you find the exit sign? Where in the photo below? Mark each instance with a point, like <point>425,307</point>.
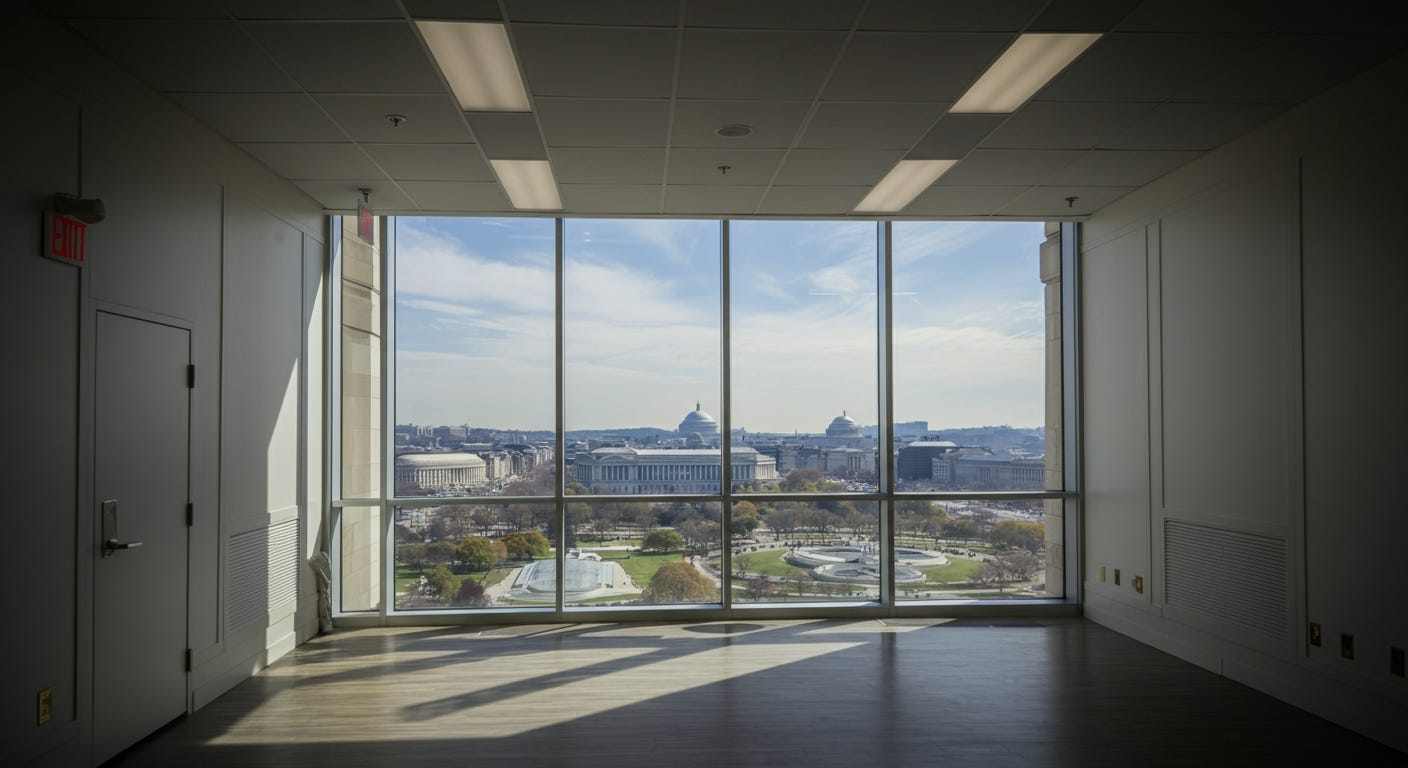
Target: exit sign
<point>65,239</point>
<point>366,223</point>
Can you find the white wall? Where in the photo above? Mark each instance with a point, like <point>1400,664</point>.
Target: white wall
<point>1244,410</point>
<point>198,231</point>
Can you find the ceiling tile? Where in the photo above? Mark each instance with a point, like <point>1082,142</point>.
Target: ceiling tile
<point>314,161</point>
<point>955,136</point>
<point>837,167</point>
<point>605,123</point>
<point>971,16</point>
<point>207,56</point>
<point>507,135</point>
<point>611,198</point>
<point>368,57</point>
<point>581,61</point>
<point>245,116</point>
<point>775,14</point>
<point>962,201</point>
<point>1204,15</point>
<point>734,64</point>
<point>343,195</point>
<point>1008,167</point>
<point>774,123</point>
<point>746,166</point>
<point>712,200</point>
<point>454,10</point>
<point>1189,126</point>
<point>1127,68</point>
<point>880,66</point>
<point>635,13</point>
<point>1082,15</point>
<point>151,9</point>
<point>812,201</point>
<point>1065,124</point>
<point>460,196</point>
<point>431,162</point>
<point>868,125</point>
<point>429,119</point>
<point>573,165</point>
<point>1118,168</point>
<point>1052,201</point>
<point>313,9</point>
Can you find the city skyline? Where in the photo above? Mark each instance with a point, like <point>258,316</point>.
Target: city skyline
<point>475,322</point>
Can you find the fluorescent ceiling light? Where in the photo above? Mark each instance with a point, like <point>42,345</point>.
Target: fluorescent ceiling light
<point>478,61</point>
<point>529,184</point>
<point>1028,64</point>
<point>902,184</point>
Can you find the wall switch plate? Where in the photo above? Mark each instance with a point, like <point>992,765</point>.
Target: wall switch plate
<point>1102,573</point>
<point>1347,645</point>
<point>1395,661</point>
<point>1139,584</point>
<point>1117,577</point>
<point>1315,638</point>
<point>46,705</point>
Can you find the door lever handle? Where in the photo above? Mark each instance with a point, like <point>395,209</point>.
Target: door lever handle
<point>112,545</point>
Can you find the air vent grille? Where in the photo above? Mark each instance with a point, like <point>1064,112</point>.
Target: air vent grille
<point>263,572</point>
<point>1234,576</point>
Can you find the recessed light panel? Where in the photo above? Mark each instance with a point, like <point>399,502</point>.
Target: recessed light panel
<point>529,183</point>
<point>902,184</point>
<point>1027,65</point>
<point>478,61</point>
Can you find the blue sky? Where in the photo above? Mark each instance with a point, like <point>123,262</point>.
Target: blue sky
<point>475,322</point>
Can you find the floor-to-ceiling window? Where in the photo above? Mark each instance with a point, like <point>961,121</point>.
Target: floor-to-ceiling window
<point>588,413</point>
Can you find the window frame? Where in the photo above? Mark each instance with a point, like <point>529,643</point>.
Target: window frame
<point>888,604</point>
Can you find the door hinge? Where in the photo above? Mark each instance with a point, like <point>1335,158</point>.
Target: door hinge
<point>190,377</point>
<point>190,514</point>
<point>188,659</point>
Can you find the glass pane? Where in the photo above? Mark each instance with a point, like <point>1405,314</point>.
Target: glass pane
<point>970,357</point>
<point>642,348</point>
<point>360,562</point>
<point>806,552</point>
<point>475,556</point>
<point>475,356</point>
<point>972,550</point>
<point>638,553</point>
<point>804,354</point>
<point>361,364</point>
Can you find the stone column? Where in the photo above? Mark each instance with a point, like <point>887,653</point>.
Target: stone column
<point>1054,509</point>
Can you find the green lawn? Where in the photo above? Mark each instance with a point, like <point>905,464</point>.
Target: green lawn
<point>641,568</point>
<point>769,562</point>
<point>958,569</point>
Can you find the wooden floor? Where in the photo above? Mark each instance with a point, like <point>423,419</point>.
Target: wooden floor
<point>767,693</point>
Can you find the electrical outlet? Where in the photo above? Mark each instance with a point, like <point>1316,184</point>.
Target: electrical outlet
<point>1117,577</point>
<point>46,705</point>
<point>1315,638</point>
<point>1395,661</point>
<point>1347,645</point>
<point>1102,573</point>
<point>1139,584</point>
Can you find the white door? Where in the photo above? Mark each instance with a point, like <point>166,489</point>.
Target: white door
<point>141,468</point>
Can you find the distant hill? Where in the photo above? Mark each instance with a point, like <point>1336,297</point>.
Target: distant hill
<point>637,434</point>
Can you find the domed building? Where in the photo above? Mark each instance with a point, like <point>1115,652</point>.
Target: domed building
<point>437,470</point>
<point>843,426</point>
<point>699,421</point>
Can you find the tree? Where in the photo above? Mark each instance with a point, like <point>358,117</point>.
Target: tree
<point>961,528</point>
<point>699,535</point>
<point>439,553</point>
<point>745,519</point>
<point>662,540</point>
<point>443,584</point>
<point>471,593</point>
<point>740,566</point>
<point>412,555</point>
<point>1019,535</point>
<point>679,582</point>
<point>799,479</point>
<point>757,587</point>
<point>527,545</point>
<point>480,553</point>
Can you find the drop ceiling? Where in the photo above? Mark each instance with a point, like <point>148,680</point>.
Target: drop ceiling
<point>626,96</point>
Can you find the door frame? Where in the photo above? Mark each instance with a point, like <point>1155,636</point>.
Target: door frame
<point>88,539</point>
